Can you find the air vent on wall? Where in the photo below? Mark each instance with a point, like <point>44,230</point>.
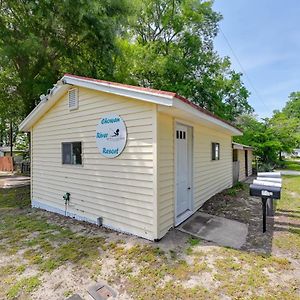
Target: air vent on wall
<point>73,99</point>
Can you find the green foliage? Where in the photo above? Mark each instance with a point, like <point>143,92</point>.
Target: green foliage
<point>271,137</point>
<point>193,241</point>
<point>16,197</point>
<point>163,44</point>
<point>40,40</point>
<point>169,46</point>
<point>44,242</point>
<point>233,191</point>
<point>259,135</point>
<point>291,165</point>
<point>27,284</point>
<point>266,167</point>
<point>286,130</point>
<point>292,107</point>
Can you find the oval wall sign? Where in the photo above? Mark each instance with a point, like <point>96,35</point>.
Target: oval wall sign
<point>111,135</point>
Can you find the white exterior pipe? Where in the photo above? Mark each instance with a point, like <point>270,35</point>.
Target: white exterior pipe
<point>267,183</point>
<point>269,174</point>
<point>278,180</point>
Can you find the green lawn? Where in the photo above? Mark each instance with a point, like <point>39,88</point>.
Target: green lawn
<point>43,255</point>
<point>291,165</point>
<point>288,208</point>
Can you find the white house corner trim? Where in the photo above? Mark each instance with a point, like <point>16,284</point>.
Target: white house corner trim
<point>155,174</point>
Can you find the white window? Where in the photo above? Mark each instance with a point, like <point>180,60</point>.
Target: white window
<point>73,99</point>
<point>215,151</point>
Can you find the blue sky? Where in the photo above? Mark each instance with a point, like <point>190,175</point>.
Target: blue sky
<point>265,37</point>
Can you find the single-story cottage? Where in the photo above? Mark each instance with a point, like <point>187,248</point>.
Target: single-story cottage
<point>242,157</point>
<point>133,159</point>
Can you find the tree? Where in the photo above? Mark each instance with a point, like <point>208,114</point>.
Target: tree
<point>40,40</point>
<point>269,137</point>
<point>169,46</point>
<point>285,130</point>
<point>9,106</point>
<point>292,107</point>
<point>260,135</point>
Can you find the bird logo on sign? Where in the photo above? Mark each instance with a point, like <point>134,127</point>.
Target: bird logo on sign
<point>116,133</point>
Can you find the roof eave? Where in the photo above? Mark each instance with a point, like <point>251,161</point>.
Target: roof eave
<point>238,146</point>
<point>168,99</point>
<point>178,103</point>
<point>148,96</point>
<point>43,107</point>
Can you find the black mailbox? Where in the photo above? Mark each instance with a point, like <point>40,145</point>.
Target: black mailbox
<point>267,191</point>
<point>271,192</point>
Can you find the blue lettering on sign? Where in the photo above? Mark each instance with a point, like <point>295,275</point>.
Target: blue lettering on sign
<point>107,121</point>
<point>101,135</point>
<point>110,151</point>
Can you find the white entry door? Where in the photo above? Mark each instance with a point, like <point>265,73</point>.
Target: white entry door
<point>183,173</point>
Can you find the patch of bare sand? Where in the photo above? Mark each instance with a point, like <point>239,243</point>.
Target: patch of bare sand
<point>205,279</point>
<point>62,280</point>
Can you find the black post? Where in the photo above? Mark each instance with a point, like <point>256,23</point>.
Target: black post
<point>264,209</point>
<point>11,138</point>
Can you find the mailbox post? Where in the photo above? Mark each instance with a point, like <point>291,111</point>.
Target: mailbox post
<point>268,190</point>
<point>264,211</point>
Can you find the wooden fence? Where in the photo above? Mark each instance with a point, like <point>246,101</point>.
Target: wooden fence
<point>6,164</point>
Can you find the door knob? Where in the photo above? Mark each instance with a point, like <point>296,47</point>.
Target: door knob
<point>189,188</point>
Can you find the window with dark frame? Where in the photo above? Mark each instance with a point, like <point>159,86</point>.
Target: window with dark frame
<point>215,151</point>
<point>71,153</point>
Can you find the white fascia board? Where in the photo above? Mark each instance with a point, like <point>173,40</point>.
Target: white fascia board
<point>202,116</point>
<point>147,96</point>
<point>241,146</point>
<point>24,124</point>
<point>238,147</point>
<point>42,107</point>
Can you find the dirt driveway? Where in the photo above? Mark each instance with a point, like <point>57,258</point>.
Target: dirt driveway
<point>10,180</point>
<point>46,256</point>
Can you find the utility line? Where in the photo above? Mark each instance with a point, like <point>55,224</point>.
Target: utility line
<point>243,70</point>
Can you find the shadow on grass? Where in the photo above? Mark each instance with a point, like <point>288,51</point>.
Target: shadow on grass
<point>18,197</point>
<point>289,211</point>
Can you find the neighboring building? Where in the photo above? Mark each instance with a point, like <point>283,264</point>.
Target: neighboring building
<point>242,156</point>
<point>5,151</point>
<point>134,159</point>
<point>296,152</point>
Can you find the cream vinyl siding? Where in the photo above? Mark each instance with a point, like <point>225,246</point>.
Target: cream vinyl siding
<point>119,190</point>
<point>250,158</point>
<point>165,174</point>
<point>241,158</point>
<point>209,177</point>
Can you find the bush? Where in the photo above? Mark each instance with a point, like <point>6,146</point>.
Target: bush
<point>280,164</point>
<point>266,167</point>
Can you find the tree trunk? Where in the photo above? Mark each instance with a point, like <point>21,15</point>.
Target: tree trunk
<point>11,138</point>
